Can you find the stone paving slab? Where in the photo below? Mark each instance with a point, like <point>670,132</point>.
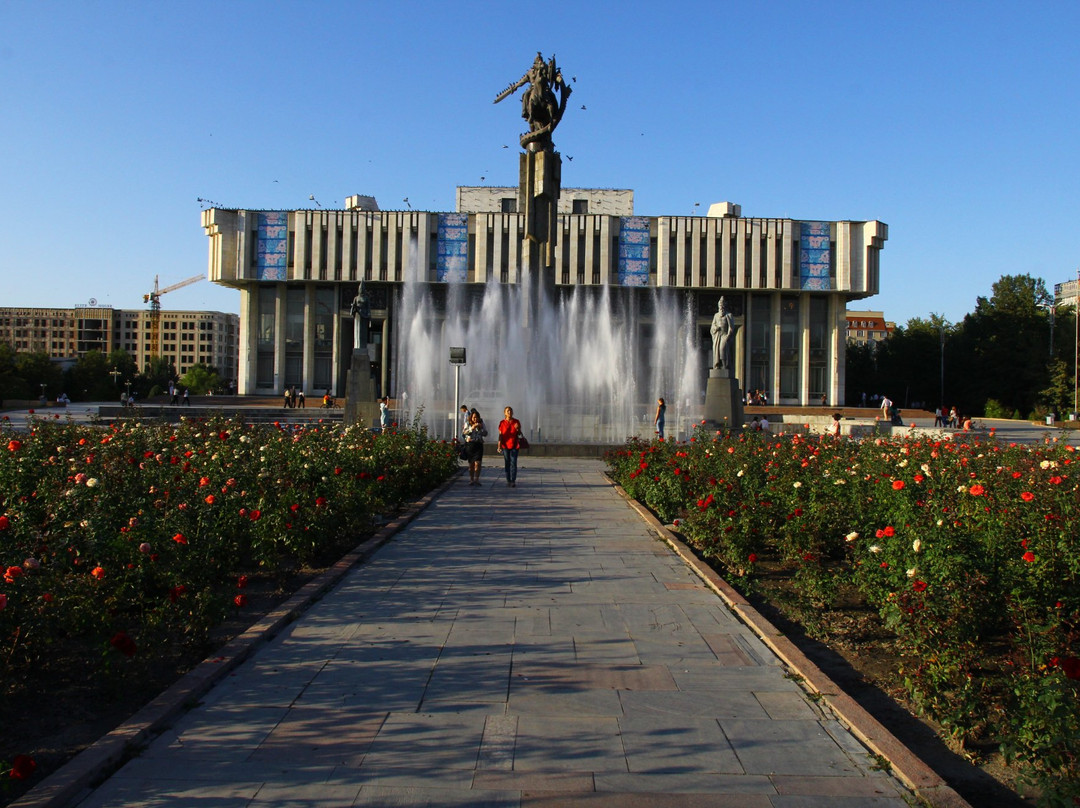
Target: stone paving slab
<point>511,647</point>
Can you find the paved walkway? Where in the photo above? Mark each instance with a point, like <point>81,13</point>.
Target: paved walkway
<point>532,646</point>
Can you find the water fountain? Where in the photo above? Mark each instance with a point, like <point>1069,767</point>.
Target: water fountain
<point>588,369</point>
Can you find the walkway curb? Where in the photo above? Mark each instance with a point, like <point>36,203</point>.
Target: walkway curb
<point>106,755</point>
<point>908,767</point>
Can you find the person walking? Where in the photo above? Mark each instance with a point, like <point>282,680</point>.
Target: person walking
<point>464,420</point>
<point>510,444</point>
<point>938,420</point>
<point>475,433</point>
<point>384,413</point>
<point>187,398</point>
<point>300,399</point>
<point>658,420</point>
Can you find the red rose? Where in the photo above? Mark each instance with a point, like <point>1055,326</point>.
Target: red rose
<point>12,573</point>
<point>5,523</point>
<point>14,445</point>
<point>752,558</point>
<point>897,485</point>
<point>320,502</point>
<point>1029,556</point>
<point>209,499</point>
<point>98,572</point>
<point>124,644</point>
<point>179,538</point>
<point>1027,496</point>
<point>918,586</point>
<point>976,490</point>
<point>889,531</point>
<point>242,582</point>
<point>240,600</point>
<point>255,515</point>
<point>23,765</point>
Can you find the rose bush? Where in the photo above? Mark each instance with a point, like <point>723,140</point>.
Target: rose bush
<point>969,552</point>
<point>119,542</point>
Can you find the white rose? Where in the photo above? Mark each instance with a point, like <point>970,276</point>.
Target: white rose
<point>916,545</point>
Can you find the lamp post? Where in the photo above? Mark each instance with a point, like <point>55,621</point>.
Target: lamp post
<point>457,359</point>
<point>941,388</point>
<point>115,375</point>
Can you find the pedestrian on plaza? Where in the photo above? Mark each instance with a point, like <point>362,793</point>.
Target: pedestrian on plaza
<point>886,406</point>
<point>288,399</point>
<point>475,432</point>
<point>384,413</point>
<point>510,439</point>
<point>954,417</point>
<point>300,399</point>
<point>658,420</point>
<point>764,423</point>
<point>187,398</point>
<point>834,429</point>
<point>175,395</point>
<point>464,420</point>
<point>938,420</point>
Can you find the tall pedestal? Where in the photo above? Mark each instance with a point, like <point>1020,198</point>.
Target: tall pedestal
<point>540,179</point>
<point>360,402</point>
<point>723,401</point>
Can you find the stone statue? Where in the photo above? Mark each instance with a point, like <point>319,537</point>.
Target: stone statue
<point>723,332</point>
<point>539,105</point>
<point>361,313</point>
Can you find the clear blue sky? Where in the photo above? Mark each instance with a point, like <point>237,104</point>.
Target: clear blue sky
<point>953,122</point>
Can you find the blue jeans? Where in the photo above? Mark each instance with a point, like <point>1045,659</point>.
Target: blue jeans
<point>510,460</point>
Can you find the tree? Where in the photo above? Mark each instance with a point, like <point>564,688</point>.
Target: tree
<point>35,368</point>
<point>90,379</point>
<point>200,379</point>
<point>1020,295</point>
<point>1003,347</point>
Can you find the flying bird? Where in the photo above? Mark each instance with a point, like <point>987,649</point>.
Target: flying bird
<point>568,157</point>
<point>583,106</point>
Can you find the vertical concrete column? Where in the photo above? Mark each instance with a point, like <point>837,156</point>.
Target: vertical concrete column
<point>279,338</point>
<point>774,349</point>
<point>308,372</point>
<point>837,350</point>
<point>249,337</point>
<point>804,349</point>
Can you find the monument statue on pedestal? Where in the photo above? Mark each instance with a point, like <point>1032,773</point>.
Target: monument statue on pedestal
<point>723,399</point>
<point>360,402</point>
<point>539,106</point>
<point>722,330</point>
<point>361,312</point>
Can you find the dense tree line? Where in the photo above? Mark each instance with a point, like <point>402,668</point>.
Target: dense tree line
<point>1011,357</point>
<point>32,375</point>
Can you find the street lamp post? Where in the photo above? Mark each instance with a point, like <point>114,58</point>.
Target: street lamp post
<point>941,332</point>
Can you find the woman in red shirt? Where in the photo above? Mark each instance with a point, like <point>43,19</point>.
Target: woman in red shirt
<point>509,443</point>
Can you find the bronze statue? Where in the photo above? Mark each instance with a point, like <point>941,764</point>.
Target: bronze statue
<point>722,330</point>
<point>539,105</point>
<point>361,313</point>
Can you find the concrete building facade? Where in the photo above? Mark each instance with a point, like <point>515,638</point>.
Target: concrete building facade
<point>211,338</point>
<point>868,326</point>
<point>787,281</point>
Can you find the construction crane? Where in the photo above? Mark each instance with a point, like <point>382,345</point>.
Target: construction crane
<point>154,299</point>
